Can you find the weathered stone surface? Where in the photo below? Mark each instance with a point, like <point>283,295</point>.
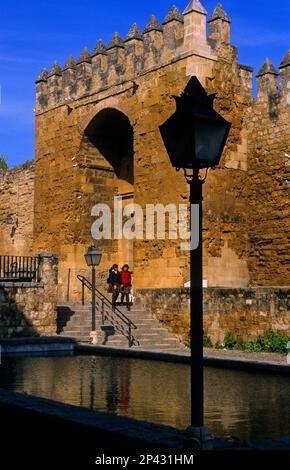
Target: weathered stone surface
<point>116,41</point>
<point>219,14</point>
<point>245,312</point>
<point>195,5</point>
<point>84,57</point>
<point>31,310</point>
<point>99,49</point>
<point>134,33</point>
<point>42,77</point>
<point>267,68</point>
<point>55,70</point>
<point>173,15</point>
<point>286,61</point>
<point>153,25</point>
<point>70,63</point>
<point>126,91</point>
<point>16,210</point>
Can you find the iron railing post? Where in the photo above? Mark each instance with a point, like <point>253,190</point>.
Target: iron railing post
<point>130,335</point>
<point>116,317</point>
<point>103,312</point>
<point>83,293</point>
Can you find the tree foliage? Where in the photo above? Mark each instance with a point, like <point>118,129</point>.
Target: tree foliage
<point>3,162</point>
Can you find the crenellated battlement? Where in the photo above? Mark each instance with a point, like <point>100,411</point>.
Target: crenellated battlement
<point>274,85</point>
<point>179,35</point>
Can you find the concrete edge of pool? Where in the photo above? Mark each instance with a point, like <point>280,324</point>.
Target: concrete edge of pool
<point>38,344</point>
<point>50,424</point>
<point>66,345</point>
<point>80,426</point>
<point>184,358</point>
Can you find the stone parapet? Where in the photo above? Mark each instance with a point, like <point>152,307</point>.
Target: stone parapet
<point>30,309</point>
<point>124,60</point>
<point>245,312</point>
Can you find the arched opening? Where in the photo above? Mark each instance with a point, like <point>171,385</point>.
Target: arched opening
<point>108,150</point>
<point>111,133</point>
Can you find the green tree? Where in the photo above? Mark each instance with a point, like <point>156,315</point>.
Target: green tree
<point>3,162</point>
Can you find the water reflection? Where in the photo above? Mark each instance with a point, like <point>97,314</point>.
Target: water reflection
<point>249,406</point>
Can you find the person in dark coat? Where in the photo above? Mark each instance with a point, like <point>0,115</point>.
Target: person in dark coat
<point>114,281</point>
<point>126,284</point>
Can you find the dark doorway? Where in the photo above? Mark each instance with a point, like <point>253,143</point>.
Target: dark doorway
<point>112,134</point>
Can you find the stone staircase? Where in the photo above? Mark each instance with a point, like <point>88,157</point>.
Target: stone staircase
<point>75,320</point>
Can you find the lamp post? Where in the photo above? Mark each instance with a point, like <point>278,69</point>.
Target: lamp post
<point>194,137</point>
<point>93,258</point>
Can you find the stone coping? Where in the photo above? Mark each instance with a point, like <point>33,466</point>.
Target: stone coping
<point>212,358</point>
<point>26,285</point>
<point>100,422</point>
<point>217,288</point>
<point>36,340</point>
<point>37,345</point>
<point>135,435</point>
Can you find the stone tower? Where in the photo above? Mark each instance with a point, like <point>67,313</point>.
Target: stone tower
<point>97,137</point>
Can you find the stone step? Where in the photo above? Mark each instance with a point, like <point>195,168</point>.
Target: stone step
<point>153,329</point>
<point>144,339</point>
<point>74,320</point>
<point>142,336</point>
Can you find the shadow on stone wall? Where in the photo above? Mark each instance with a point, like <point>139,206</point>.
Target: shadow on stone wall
<point>29,308</point>
<point>13,321</point>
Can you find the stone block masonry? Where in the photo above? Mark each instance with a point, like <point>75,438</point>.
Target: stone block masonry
<point>245,312</point>
<point>17,210</point>
<point>97,136</point>
<point>129,82</point>
<point>29,309</point>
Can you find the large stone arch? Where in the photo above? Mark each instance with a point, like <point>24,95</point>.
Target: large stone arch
<point>123,106</point>
<point>111,133</point>
<point>106,156</point>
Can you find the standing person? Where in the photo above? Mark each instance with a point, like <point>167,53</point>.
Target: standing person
<point>114,281</point>
<point>126,284</point>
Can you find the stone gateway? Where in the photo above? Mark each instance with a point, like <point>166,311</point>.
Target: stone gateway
<point>97,137</point>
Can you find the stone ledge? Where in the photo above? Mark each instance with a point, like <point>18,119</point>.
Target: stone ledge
<point>26,285</point>
<point>211,358</point>
<point>102,428</point>
<point>31,345</point>
<point>175,290</point>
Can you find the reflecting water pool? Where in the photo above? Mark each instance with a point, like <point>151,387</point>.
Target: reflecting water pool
<point>249,406</point>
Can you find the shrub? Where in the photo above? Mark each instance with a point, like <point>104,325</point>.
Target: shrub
<point>230,341</point>
<point>271,341</point>
<point>207,343</point>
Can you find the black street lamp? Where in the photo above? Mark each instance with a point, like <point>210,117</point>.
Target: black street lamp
<point>93,258</point>
<point>194,137</point>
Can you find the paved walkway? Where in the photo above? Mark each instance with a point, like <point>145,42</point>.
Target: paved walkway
<point>262,357</point>
<point>240,360</point>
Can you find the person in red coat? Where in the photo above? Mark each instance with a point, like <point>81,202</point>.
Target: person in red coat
<point>126,284</point>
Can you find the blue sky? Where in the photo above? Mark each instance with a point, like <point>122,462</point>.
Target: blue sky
<point>35,33</point>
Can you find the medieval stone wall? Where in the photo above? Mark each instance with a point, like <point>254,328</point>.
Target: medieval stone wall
<point>247,313</point>
<point>29,309</point>
<point>137,77</point>
<point>130,83</point>
<point>268,185</point>
<point>17,210</point>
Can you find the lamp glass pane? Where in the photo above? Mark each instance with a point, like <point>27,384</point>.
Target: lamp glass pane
<point>210,138</point>
<point>96,258</point>
<point>88,259</point>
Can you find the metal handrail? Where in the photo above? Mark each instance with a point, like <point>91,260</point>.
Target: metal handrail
<point>115,316</point>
